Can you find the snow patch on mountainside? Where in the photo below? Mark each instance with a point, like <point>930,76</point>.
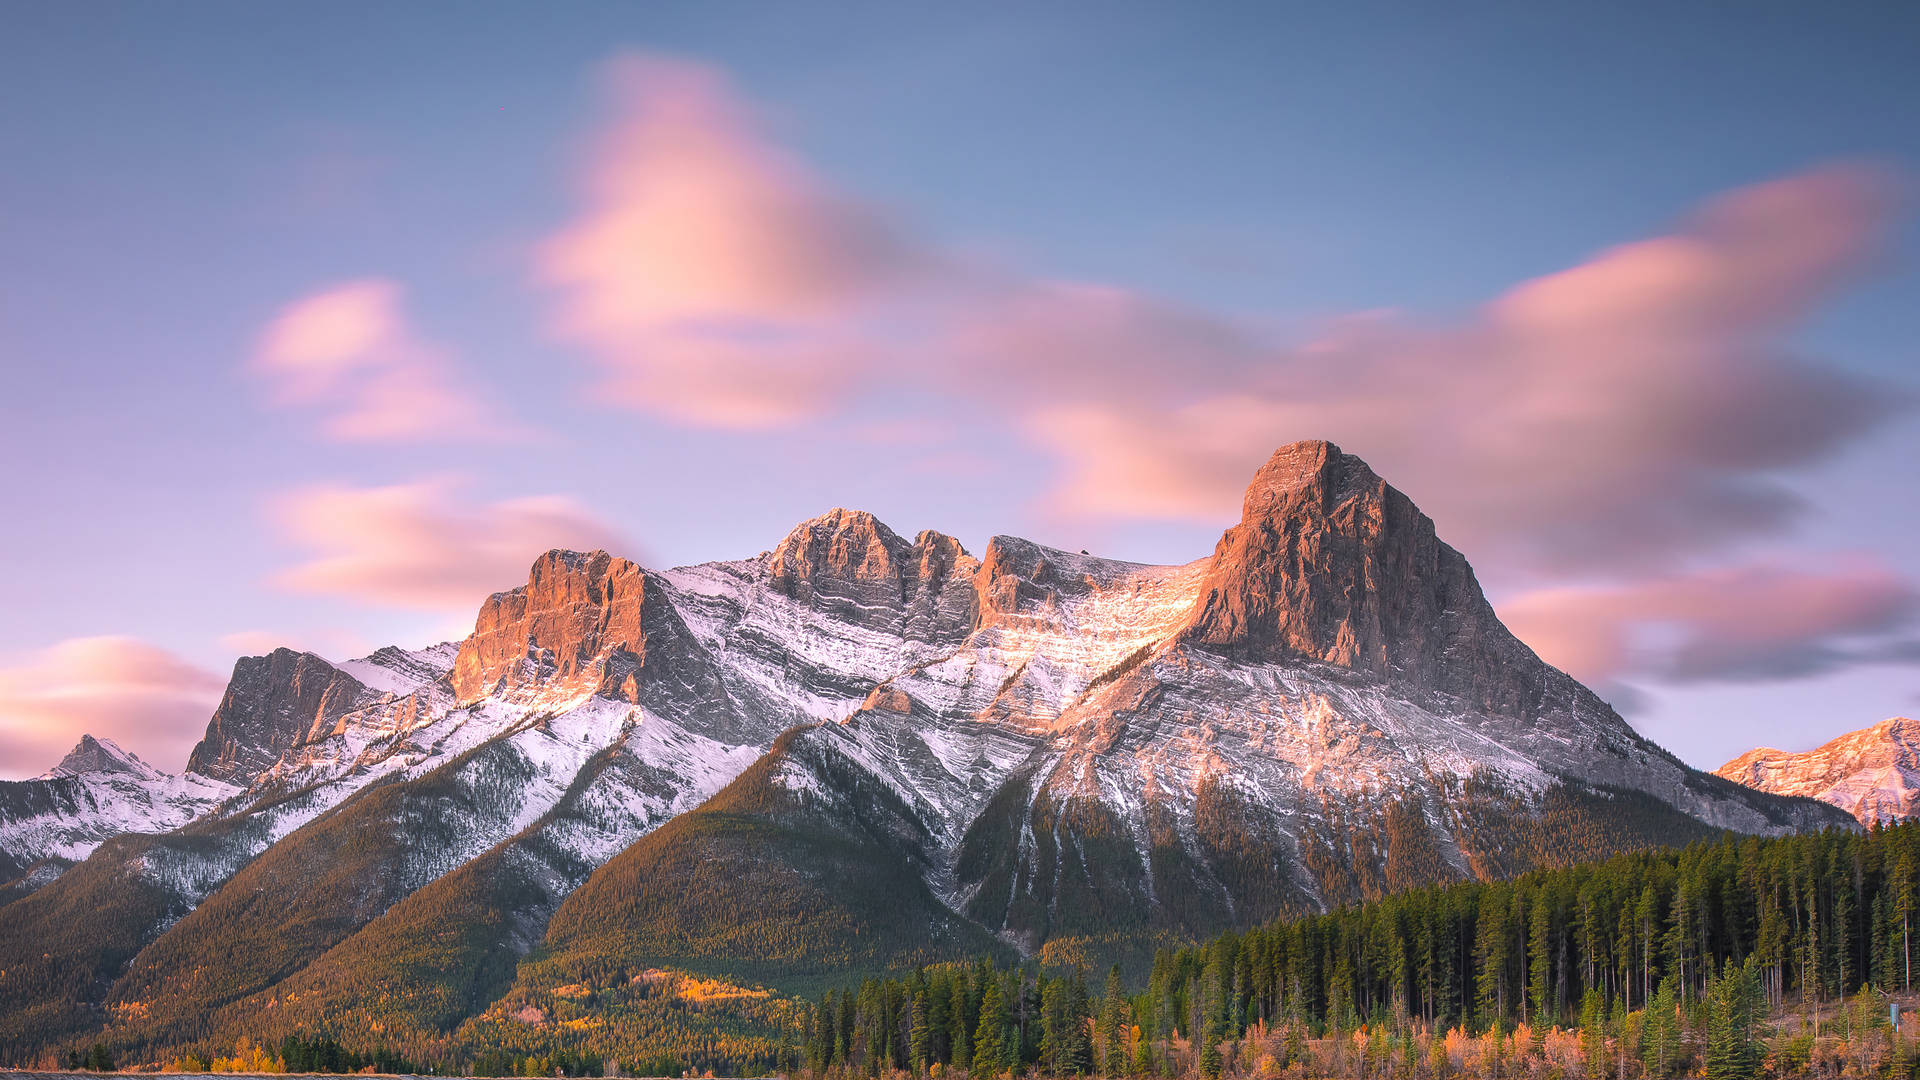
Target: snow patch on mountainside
<point>394,670</point>
<point>97,792</point>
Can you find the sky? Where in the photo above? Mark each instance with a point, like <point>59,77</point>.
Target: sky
<point>320,321</point>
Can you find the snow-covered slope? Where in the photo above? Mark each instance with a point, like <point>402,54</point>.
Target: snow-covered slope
<point>1873,773</point>
<point>98,791</point>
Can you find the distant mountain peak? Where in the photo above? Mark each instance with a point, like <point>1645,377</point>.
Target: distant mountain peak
<point>1872,773</point>
<point>91,756</point>
<point>1331,563</point>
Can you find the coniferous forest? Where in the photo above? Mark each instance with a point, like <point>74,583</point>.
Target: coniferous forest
<point>1732,958</point>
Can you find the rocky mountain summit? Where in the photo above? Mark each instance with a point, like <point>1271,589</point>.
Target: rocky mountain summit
<point>98,791</point>
<point>915,751</point>
<point>1873,773</point>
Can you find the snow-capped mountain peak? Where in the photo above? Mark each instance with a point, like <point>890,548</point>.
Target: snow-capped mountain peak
<point>92,756</point>
<point>1872,773</point>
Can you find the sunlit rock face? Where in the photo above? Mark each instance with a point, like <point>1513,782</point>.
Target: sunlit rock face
<point>584,623</point>
<point>1330,563</point>
<point>1873,773</point>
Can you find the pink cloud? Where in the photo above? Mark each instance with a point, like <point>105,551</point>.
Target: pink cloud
<point>712,278</point>
<point>145,698</point>
<point>348,351</point>
<point>420,546</point>
<point>1745,623</point>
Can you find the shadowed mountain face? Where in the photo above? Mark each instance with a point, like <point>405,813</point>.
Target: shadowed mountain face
<point>915,752</point>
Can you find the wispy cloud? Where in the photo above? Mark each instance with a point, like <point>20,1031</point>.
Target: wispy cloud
<point>349,353</point>
<point>421,546</point>
<point>145,698</point>
<point>332,644</point>
<point>1748,623</point>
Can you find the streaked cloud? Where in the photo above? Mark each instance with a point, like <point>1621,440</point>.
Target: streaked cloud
<point>1753,622</point>
<point>332,644</point>
<point>348,353</point>
<point>143,697</point>
<point>1631,410</point>
<point>423,546</point>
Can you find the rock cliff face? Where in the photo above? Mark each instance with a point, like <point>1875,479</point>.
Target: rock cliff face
<point>272,704</point>
<point>580,623</point>
<point>848,565</point>
<point>1330,563</point>
<point>1873,773</point>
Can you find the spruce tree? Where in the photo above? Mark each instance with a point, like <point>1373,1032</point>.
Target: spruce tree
<point>1734,1003</point>
<point>990,1037</point>
<point>919,1037</point>
<point>1660,1036</point>
<point>961,1040</point>
<point>1113,1020</point>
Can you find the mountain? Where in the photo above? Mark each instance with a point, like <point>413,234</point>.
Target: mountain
<point>97,792</point>
<point>851,752</point>
<point>1873,773</point>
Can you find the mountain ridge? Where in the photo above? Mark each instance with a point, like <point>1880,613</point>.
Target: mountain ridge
<point>1064,754</point>
<point>1872,774</point>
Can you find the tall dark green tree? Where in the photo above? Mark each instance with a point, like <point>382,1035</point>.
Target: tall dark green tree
<point>1734,1007</point>
<point>991,1053</point>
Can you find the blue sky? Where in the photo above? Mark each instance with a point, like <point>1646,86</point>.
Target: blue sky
<point>1133,224</point>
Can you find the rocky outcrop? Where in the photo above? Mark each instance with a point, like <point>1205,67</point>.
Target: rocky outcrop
<point>272,704</point>
<point>97,756</point>
<point>848,564</point>
<point>1873,773</point>
<point>589,623</point>
<point>1331,563</point>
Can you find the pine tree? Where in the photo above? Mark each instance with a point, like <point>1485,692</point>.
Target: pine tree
<point>990,1037</point>
<point>1113,1023</point>
<point>1080,1025</point>
<point>1660,1037</point>
<point>1540,960</point>
<point>961,1040</point>
<point>919,1036</point>
<point>1593,1033</point>
<point>1734,1006</point>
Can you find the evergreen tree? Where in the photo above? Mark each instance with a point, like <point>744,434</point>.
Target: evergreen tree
<point>1080,1030</point>
<point>990,1056</point>
<point>1734,1005</point>
<point>919,1036</point>
<point>1113,1021</point>
<point>1660,1035</point>
<point>961,1040</point>
<point>1593,1033</point>
<point>1540,959</point>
